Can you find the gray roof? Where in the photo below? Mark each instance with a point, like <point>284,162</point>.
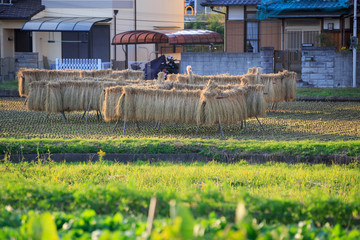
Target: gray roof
<point>21,9</point>
<point>209,3</point>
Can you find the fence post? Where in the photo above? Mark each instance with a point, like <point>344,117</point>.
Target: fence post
<point>57,64</point>
<point>99,64</point>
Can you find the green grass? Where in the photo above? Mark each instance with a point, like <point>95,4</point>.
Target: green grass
<point>211,147</point>
<point>11,85</point>
<point>278,196</point>
<point>328,92</point>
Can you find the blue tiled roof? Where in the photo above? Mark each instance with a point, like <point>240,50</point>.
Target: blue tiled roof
<point>229,2</point>
<point>308,5</point>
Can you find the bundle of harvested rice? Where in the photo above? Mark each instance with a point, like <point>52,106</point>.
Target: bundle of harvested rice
<point>161,77</point>
<point>160,105</point>
<point>54,100</point>
<point>255,101</point>
<point>221,106</point>
<point>25,77</point>
<point>37,96</point>
<point>289,84</point>
<point>127,75</point>
<point>111,101</point>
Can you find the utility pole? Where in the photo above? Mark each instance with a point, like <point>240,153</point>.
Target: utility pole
<point>135,29</point>
<point>115,13</point>
<point>354,43</point>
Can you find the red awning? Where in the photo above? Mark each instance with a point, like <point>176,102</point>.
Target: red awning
<point>175,37</point>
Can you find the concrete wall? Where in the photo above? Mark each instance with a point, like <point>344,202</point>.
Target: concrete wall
<point>218,63</point>
<point>344,68</point>
<point>324,67</point>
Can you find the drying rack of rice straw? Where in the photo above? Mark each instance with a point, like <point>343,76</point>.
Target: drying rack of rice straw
<point>279,87</point>
<point>69,96</point>
<point>182,103</point>
<point>27,76</point>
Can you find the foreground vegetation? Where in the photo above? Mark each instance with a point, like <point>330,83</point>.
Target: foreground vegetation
<point>215,148</point>
<point>207,201</point>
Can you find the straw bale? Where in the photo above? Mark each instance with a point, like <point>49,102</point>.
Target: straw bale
<point>37,96</point>
<point>127,75</point>
<point>25,77</point>
<point>255,101</point>
<point>172,77</point>
<point>54,101</point>
<point>289,84</point>
<point>224,106</point>
<point>110,103</point>
<point>161,77</point>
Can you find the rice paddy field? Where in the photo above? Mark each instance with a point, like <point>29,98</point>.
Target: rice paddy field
<point>43,199</point>
<point>320,121</point>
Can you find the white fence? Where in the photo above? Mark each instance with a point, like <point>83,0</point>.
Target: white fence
<point>79,64</point>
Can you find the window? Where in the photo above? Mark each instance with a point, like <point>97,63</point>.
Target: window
<point>299,32</point>
<point>5,2</point>
<point>252,37</point>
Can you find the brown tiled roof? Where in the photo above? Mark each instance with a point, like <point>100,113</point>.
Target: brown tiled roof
<point>21,9</point>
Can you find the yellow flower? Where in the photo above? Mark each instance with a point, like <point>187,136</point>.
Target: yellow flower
<point>101,153</point>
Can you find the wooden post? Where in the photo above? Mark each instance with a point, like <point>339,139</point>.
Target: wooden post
<point>242,125</point>
<point>63,116</point>
<point>245,126</point>
<point>159,124</point>
<point>115,125</point>
<point>260,123</point>
<point>124,127</point>
<point>197,129</point>
<point>151,216</point>
<point>87,115</point>
<point>221,131</point>
<point>47,115</point>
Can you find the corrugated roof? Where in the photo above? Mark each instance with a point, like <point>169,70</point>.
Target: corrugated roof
<point>20,9</point>
<point>63,24</point>
<point>175,37</point>
<point>209,3</point>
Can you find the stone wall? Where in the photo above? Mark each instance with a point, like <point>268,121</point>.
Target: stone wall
<point>218,63</point>
<point>324,67</point>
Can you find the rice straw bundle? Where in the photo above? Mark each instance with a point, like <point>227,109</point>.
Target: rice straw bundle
<point>153,104</point>
<point>127,75</point>
<point>37,96</point>
<point>25,77</point>
<point>221,106</point>
<point>255,101</point>
<point>111,100</point>
<point>289,84</point>
<point>54,101</point>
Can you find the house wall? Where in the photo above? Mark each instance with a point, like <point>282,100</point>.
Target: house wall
<point>150,15</point>
<point>270,34</point>
<point>234,36</point>
<point>7,30</point>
